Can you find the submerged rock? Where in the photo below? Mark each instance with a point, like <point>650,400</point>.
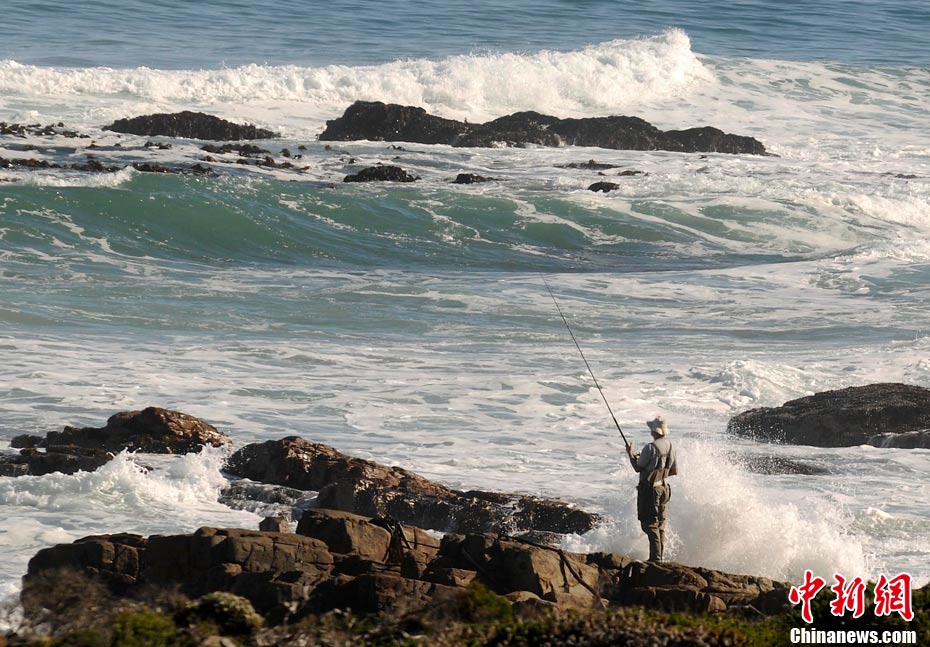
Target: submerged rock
<point>590,165</point>
<point>369,488</point>
<point>374,120</point>
<point>67,460</point>
<point>903,440</point>
<point>872,414</point>
<point>603,187</point>
<point>189,125</point>
<point>775,465</point>
<point>378,566</point>
<point>384,173</point>
<point>471,178</point>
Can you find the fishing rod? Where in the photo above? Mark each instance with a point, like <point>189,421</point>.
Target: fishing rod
<point>580,352</point>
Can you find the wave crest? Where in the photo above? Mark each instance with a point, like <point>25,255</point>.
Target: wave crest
<point>594,79</point>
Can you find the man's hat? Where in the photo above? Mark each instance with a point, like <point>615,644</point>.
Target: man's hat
<point>658,426</point>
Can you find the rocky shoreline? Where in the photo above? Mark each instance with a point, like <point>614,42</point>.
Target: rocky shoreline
<point>385,544</point>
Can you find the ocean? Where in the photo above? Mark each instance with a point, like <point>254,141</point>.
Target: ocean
<point>410,324</point>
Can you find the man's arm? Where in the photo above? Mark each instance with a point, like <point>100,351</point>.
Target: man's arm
<point>629,452</point>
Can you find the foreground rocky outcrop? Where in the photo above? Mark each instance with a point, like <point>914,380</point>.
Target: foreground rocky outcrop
<point>369,488</point>
<point>153,430</point>
<point>380,567</point>
<point>377,121</point>
<point>883,415</point>
<point>189,125</point>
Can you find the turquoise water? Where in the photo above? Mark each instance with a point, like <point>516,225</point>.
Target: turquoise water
<point>410,324</point>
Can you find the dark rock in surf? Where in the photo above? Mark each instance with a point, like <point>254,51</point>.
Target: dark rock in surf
<point>902,440</point>
<point>631,173</point>
<point>189,125</point>
<point>471,178</point>
<point>152,430</point>
<point>872,414</point>
<point>151,167</point>
<point>244,150</point>
<point>67,460</point>
<point>27,163</point>
<point>590,165</point>
<point>369,488</point>
<point>775,465</point>
<point>38,130</point>
<point>603,187</point>
<point>374,120</point>
<point>384,173</point>
<point>95,166</point>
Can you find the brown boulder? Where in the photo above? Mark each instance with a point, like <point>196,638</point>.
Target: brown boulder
<point>508,565</point>
<point>676,587</point>
<point>152,430</point>
<point>370,489</point>
<point>275,571</point>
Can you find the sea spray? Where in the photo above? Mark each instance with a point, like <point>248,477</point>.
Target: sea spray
<point>723,518</point>
<point>591,80</point>
<point>125,495</point>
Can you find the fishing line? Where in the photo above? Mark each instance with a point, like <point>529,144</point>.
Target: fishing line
<point>580,352</point>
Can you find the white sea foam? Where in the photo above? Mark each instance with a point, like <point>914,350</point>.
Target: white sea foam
<point>121,496</point>
<point>595,79</point>
<point>805,111</point>
<point>721,517</point>
<point>75,179</point>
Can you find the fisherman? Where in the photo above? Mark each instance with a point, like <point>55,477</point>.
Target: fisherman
<point>655,464</point>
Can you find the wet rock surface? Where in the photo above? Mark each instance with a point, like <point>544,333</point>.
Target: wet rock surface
<point>152,430</point>
<point>471,178</point>
<point>903,440</point>
<point>189,125</point>
<point>776,465</point>
<point>67,460</point>
<point>38,130</point>
<point>876,414</point>
<point>377,121</point>
<point>385,173</point>
<point>368,488</point>
<point>379,566</point>
<point>96,166</point>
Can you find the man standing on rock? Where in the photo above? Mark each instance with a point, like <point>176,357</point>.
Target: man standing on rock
<point>655,465</point>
